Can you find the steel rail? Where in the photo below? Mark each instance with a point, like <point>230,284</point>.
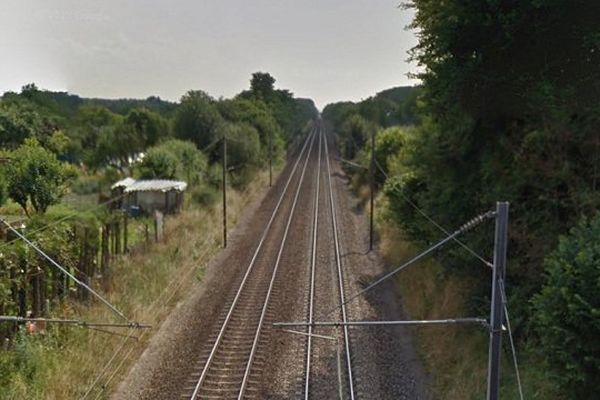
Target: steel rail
<point>248,271</point>
<point>338,261</point>
<point>313,263</point>
<point>273,276</point>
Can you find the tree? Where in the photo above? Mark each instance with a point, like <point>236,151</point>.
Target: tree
<point>174,159</point>
<point>148,127</point>
<point>158,163</point>
<point>243,145</point>
<point>197,119</point>
<point>567,310</point>
<point>17,123</point>
<point>509,112</point>
<point>36,176</point>
<point>262,85</point>
<point>255,112</point>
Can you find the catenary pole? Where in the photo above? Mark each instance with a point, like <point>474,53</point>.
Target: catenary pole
<point>496,313</point>
<point>224,191</point>
<point>270,158</point>
<point>372,173</point>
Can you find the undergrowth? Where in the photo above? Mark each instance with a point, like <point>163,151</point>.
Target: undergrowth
<point>63,362</point>
<point>455,356</point>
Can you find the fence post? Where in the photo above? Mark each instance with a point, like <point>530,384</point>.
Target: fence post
<point>105,253</point>
<point>496,313</point>
<point>125,232</point>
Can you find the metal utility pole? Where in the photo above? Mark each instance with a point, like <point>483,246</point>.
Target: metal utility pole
<point>497,310</point>
<point>372,173</point>
<point>270,158</point>
<point>224,191</point>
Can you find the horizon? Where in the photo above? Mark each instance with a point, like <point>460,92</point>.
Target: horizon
<point>43,89</point>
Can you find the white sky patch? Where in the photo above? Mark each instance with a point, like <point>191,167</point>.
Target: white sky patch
<point>328,50</point>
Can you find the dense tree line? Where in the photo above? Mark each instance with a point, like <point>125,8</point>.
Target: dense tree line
<point>54,143</point>
<point>507,110</point>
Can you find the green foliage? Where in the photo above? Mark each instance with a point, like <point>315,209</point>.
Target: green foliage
<point>567,310</point>
<point>3,188</point>
<point>17,123</point>
<point>146,127</point>
<point>262,85</point>
<point>396,106</point>
<point>257,114</point>
<point>36,176</point>
<point>290,113</point>
<point>243,145</point>
<point>197,119</point>
<point>173,159</point>
<point>158,163</point>
<point>507,116</point>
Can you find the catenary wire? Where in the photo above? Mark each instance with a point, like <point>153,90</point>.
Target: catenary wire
<point>423,214</point>
<point>432,221</point>
<point>66,272</point>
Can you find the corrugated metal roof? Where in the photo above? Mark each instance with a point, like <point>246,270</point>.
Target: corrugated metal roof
<point>156,185</point>
<point>123,183</point>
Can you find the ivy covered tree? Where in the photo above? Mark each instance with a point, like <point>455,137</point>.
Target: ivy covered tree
<point>35,176</point>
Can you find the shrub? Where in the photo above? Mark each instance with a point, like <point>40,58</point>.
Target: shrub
<point>567,310</point>
<point>36,176</point>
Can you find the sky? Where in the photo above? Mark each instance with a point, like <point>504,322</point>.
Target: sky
<point>327,50</point>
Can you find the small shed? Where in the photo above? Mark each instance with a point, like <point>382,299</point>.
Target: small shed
<point>165,196</point>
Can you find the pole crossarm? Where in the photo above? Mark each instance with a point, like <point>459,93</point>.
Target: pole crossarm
<point>448,321</point>
<point>131,325</point>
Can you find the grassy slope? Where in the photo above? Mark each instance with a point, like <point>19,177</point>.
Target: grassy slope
<point>455,356</point>
<point>145,285</point>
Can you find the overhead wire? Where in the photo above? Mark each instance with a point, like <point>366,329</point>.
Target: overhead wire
<point>105,368</point>
<point>66,272</point>
<point>172,289</point>
<point>433,222</point>
<point>463,228</point>
<point>62,219</point>
<point>420,211</point>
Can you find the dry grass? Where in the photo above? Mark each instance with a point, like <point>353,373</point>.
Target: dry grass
<point>456,357</point>
<point>145,285</point>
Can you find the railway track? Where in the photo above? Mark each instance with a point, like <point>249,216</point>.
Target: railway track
<point>225,368</point>
<point>329,348</point>
<point>231,364</point>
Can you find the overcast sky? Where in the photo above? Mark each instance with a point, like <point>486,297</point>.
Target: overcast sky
<point>328,50</point>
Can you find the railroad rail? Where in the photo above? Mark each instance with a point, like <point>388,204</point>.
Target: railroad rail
<point>338,262</point>
<point>225,371</point>
<point>337,280</point>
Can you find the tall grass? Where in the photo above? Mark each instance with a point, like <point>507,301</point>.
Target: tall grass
<point>455,356</point>
<point>145,285</point>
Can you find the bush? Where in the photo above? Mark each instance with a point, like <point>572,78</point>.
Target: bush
<point>567,310</point>
<point>158,163</point>
<point>174,159</point>
<point>36,176</point>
